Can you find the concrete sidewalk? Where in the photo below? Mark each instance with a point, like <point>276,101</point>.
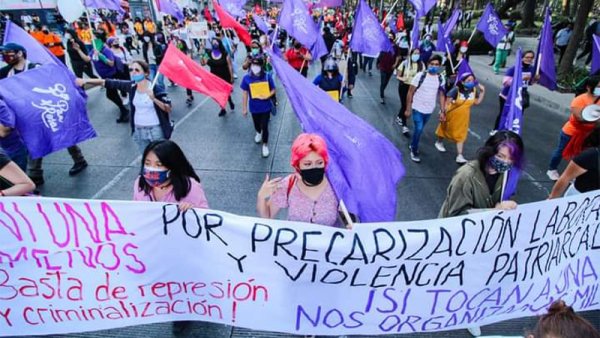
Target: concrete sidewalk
<point>557,102</point>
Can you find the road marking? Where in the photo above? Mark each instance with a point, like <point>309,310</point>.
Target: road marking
<point>137,160</point>
<point>475,135</point>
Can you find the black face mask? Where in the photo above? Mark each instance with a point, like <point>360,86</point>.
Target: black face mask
<point>297,46</point>
<point>313,176</point>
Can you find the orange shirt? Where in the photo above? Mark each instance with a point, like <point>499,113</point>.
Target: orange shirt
<point>573,125</point>
<point>85,35</point>
<point>52,42</point>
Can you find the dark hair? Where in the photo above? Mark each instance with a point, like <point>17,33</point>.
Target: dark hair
<point>435,57</point>
<point>172,157</point>
<point>593,139</point>
<point>143,64</point>
<point>561,321</point>
<point>591,83</point>
<point>221,46</point>
<point>503,138</point>
<point>528,52</point>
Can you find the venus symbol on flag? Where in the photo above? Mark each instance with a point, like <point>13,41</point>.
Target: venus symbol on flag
<point>52,110</point>
<point>299,20</point>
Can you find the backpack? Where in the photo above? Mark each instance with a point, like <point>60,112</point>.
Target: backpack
<point>422,79</point>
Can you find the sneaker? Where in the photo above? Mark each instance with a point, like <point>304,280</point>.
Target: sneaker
<point>258,138</point>
<point>440,147</point>
<point>350,96</point>
<point>460,159</point>
<point>189,101</point>
<point>414,155</point>
<point>475,331</point>
<point>553,175</point>
<point>125,100</point>
<point>382,101</point>
<point>405,131</point>
<point>399,121</point>
<point>77,168</point>
<point>265,151</point>
<point>235,76</point>
<point>370,74</point>
<point>493,132</point>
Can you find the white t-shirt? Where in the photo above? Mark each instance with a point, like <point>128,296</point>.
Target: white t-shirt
<point>145,114</point>
<point>426,96</point>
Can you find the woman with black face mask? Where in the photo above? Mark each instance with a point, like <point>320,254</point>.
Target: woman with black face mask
<point>307,193</point>
<point>220,64</point>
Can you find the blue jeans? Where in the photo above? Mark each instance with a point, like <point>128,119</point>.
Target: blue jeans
<point>557,154</point>
<point>419,120</point>
<point>161,78</point>
<point>143,136</point>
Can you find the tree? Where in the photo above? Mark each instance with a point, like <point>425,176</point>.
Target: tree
<point>567,8</point>
<point>528,14</point>
<point>508,4</point>
<point>566,65</point>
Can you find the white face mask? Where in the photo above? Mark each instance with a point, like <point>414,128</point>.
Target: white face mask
<point>463,49</point>
<point>147,38</point>
<point>255,69</point>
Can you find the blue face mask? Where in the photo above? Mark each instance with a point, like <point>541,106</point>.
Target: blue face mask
<point>154,176</point>
<point>433,69</point>
<point>137,78</point>
<point>499,165</point>
<point>469,85</point>
<point>596,91</point>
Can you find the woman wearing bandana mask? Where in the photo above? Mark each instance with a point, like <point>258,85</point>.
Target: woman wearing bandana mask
<point>478,185</point>
<point>454,123</point>
<point>307,193</point>
<point>220,64</point>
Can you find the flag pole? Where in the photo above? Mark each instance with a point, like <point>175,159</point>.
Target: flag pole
<point>504,181</point>
<point>154,80</point>
<point>275,32</point>
<point>388,13</point>
<point>350,224</point>
<point>538,66</point>
<point>449,56</point>
<point>472,35</point>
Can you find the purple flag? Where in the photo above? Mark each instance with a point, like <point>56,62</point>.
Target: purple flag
<point>545,55</point>
<point>233,7</point>
<point>49,112</point>
<point>36,53</point>
<point>441,42</point>
<point>491,26</point>
<point>260,23</point>
<point>114,5</point>
<point>364,167</point>
<point>596,54</point>
<point>414,35</point>
<point>512,119</point>
<point>171,8</point>
<point>326,3</point>
<point>367,35</point>
<point>294,18</point>
<point>423,6</point>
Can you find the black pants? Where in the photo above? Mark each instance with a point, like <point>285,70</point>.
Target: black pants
<point>385,79</point>
<point>261,124</point>
<point>113,95</point>
<point>79,68</point>
<point>35,166</point>
<point>587,50</point>
<point>562,52</point>
<point>402,93</point>
<point>62,59</point>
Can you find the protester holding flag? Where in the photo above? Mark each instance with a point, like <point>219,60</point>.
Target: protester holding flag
<point>386,63</point>
<point>405,73</point>
<point>105,64</point>
<point>80,61</point>
<point>220,64</point>
<point>577,128</point>
<point>298,57</point>
<point>459,55</point>
<point>330,80</point>
<point>150,107</point>
<point>420,102</point>
<point>258,89</point>
<point>15,56</point>
<point>478,185</point>
<point>454,123</point>
<point>583,171</point>
<point>426,48</point>
<point>307,193</point>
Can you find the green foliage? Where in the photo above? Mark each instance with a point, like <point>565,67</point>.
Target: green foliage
<point>569,81</point>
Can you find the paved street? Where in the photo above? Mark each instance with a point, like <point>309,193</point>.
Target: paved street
<point>228,161</point>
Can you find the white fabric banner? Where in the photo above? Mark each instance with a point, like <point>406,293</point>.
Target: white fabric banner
<point>75,265</point>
